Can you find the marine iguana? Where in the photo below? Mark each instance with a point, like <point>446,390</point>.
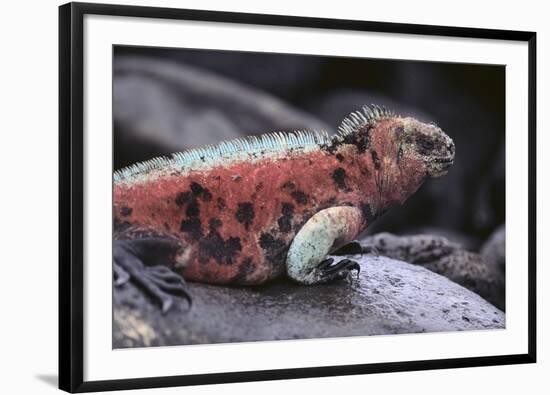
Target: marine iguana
<point>252,209</point>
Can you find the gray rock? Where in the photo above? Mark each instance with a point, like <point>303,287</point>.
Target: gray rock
<point>493,250</point>
<point>449,259</point>
<point>161,107</point>
<point>389,297</point>
<point>454,236</point>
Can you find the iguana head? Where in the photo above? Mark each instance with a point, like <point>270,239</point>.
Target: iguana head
<point>396,153</point>
<point>424,142</point>
<point>403,144</point>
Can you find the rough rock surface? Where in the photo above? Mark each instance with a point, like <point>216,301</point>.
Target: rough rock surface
<point>161,107</point>
<point>454,236</point>
<point>449,259</point>
<point>388,297</point>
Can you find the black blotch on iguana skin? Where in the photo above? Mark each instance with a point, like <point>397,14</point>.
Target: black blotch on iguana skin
<point>189,199</point>
<point>192,226</point>
<point>330,148</point>
<point>199,191</point>
<point>214,224</point>
<point>206,196</point>
<point>274,249</point>
<point>327,203</point>
<point>285,220</point>
<point>220,203</point>
<point>299,196</point>
<point>339,178</point>
<point>288,186</point>
<point>245,268</point>
<point>183,198</point>
<point>193,208</point>
<point>365,171</point>
<point>196,188</point>
<point>340,157</point>
<point>375,160</point>
<point>213,246</point>
<point>245,214</point>
<point>125,211</point>
<point>361,139</point>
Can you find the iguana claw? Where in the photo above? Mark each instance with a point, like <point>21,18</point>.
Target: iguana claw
<point>121,275</point>
<point>339,270</point>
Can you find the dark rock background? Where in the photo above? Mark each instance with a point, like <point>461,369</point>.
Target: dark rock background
<point>167,100</point>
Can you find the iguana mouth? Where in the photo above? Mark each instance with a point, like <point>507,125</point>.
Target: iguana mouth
<point>439,165</point>
<point>448,160</point>
<point>439,169</point>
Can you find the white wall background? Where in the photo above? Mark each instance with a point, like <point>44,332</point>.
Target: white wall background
<point>28,197</point>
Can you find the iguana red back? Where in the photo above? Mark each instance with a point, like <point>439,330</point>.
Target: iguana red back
<point>249,210</point>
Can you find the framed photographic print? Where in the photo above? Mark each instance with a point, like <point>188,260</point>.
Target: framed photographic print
<point>251,197</point>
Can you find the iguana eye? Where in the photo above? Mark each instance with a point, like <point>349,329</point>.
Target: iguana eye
<point>426,144</point>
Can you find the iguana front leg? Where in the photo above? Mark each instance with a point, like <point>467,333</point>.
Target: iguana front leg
<point>326,231</point>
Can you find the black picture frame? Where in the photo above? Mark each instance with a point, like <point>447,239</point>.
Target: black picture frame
<point>71,225</point>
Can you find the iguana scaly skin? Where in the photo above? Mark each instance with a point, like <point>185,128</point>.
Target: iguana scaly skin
<point>252,209</point>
